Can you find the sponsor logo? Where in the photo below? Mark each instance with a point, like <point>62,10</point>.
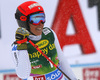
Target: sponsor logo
<point>36,67</point>
<point>51,46</point>
<point>42,43</point>
<point>38,54</point>
<point>33,5</point>
<point>39,78</point>
<point>14,48</point>
<point>11,77</point>
<point>23,18</point>
<point>46,31</point>
<point>91,74</point>
<point>54,75</point>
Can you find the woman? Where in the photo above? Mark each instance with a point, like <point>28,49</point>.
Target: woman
<point>30,64</point>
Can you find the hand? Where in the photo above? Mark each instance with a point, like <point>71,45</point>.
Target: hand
<point>21,33</point>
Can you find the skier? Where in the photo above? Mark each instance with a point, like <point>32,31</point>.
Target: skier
<point>30,63</point>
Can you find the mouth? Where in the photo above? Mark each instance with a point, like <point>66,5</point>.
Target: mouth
<point>39,29</point>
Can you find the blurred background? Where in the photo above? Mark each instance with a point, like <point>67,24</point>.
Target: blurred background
<point>77,25</point>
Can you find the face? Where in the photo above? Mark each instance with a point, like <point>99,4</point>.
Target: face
<point>36,23</point>
<point>36,29</point>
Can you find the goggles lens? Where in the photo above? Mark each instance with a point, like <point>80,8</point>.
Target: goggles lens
<point>37,18</point>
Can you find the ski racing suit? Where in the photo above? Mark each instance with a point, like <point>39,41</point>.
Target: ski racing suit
<point>32,65</point>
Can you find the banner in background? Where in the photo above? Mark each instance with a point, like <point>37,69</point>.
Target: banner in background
<point>82,36</point>
<point>85,35</point>
<point>10,77</point>
<point>91,73</point>
<point>93,3</point>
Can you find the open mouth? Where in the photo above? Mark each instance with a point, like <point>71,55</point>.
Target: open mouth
<point>39,29</point>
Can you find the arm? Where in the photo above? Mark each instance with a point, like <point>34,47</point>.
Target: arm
<point>22,63</point>
<point>20,55</point>
<point>63,61</point>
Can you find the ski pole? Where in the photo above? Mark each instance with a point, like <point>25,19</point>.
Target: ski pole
<point>27,39</point>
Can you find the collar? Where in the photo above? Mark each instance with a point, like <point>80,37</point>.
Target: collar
<point>34,37</point>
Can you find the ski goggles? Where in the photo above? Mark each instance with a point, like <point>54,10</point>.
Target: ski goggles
<point>37,18</point>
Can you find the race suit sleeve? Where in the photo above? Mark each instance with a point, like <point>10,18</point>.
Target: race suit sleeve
<point>63,61</point>
<point>22,63</point>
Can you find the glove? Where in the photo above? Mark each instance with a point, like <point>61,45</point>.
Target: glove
<point>21,33</point>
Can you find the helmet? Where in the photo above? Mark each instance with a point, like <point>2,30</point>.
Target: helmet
<point>25,10</point>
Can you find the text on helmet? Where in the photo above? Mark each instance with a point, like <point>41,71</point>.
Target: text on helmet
<point>33,5</point>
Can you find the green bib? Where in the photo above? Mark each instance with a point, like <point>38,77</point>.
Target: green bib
<point>39,64</point>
